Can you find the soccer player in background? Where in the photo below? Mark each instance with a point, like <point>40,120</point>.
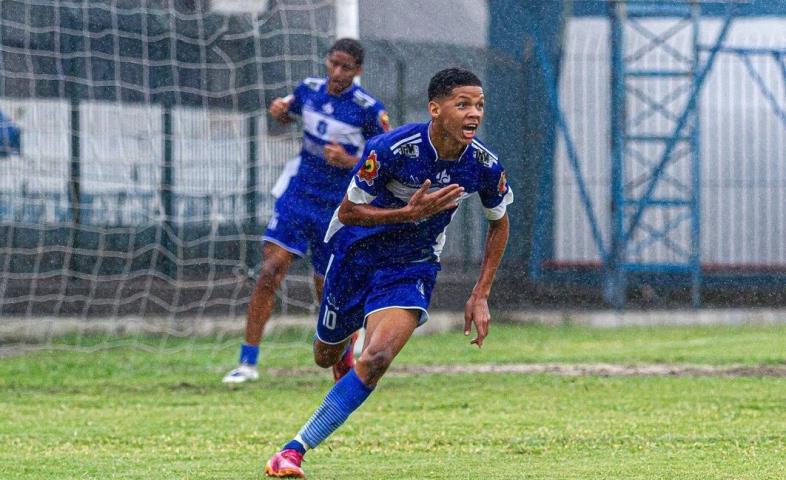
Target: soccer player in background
<point>338,116</point>
<point>386,238</point>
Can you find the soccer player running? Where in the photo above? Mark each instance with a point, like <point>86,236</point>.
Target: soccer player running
<point>338,116</point>
<point>386,238</point>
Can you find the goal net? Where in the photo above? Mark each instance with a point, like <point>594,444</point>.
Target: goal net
<point>133,197</point>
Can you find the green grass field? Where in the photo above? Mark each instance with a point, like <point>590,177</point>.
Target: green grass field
<point>127,413</point>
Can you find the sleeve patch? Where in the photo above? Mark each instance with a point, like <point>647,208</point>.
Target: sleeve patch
<point>384,120</point>
<point>502,186</point>
<point>370,169</point>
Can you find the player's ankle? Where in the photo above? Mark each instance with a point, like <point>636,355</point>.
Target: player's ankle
<point>249,354</point>
<point>295,445</point>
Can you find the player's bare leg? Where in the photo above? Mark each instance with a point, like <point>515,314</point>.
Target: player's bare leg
<point>326,355</point>
<point>387,331</point>
<point>274,267</point>
<point>340,357</point>
<point>319,283</point>
<point>381,344</point>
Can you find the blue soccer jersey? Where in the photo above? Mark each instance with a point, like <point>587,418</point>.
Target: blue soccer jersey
<point>391,170</point>
<point>350,118</point>
<point>378,267</point>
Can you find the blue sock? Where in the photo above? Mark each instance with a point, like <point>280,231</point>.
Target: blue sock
<point>249,354</point>
<point>343,399</point>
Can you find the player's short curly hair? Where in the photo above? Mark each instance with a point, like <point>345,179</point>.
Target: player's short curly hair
<point>444,81</point>
<point>351,47</point>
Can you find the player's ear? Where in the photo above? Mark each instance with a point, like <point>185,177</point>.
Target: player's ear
<point>433,109</point>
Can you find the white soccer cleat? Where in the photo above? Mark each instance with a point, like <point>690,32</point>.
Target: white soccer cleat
<point>243,373</point>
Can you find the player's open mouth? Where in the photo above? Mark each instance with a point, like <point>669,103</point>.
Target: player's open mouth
<point>469,130</point>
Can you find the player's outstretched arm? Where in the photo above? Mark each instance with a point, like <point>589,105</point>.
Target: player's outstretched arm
<point>422,205</point>
<point>476,309</point>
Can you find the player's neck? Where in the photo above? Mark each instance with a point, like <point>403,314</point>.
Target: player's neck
<point>446,146</point>
<point>338,93</point>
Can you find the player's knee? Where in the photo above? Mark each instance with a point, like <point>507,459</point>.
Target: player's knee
<point>325,359</point>
<point>270,274</point>
<point>375,363</point>
<point>325,356</point>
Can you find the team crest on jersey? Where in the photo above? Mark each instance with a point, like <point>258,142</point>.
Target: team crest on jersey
<point>409,150</point>
<point>328,108</point>
<point>384,120</point>
<point>502,186</point>
<point>483,157</point>
<point>370,169</point>
<point>443,177</point>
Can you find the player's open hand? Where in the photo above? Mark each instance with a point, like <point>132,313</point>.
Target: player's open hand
<point>279,109</point>
<point>338,157</point>
<point>424,204</point>
<point>476,311</point>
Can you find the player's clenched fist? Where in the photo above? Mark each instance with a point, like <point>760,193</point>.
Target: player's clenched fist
<point>337,156</point>
<point>279,108</point>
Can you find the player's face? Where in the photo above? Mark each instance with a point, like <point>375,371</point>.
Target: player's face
<point>459,114</point>
<point>341,71</point>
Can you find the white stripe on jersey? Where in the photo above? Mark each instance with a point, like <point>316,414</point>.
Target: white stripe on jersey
<point>355,195</point>
<point>499,211</point>
<point>314,83</point>
<point>406,140</point>
<point>401,147</point>
<point>290,170</point>
<point>478,146</point>
<point>404,192</point>
<point>364,100</point>
<point>442,238</point>
<point>334,129</point>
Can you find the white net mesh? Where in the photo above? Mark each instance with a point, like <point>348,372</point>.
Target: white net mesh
<point>142,183</point>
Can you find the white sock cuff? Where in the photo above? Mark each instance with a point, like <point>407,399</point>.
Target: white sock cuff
<point>300,440</point>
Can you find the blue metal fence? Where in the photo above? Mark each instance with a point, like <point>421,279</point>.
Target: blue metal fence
<point>733,185</point>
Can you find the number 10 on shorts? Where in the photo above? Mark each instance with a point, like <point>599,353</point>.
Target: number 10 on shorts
<point>329,319</point>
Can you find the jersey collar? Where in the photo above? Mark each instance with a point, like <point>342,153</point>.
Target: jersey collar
<point>433,149</point>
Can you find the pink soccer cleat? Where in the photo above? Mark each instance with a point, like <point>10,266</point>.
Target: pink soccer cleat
<point>285,464</point>
<point>347,361</point>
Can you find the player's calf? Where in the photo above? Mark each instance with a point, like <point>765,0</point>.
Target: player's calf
<point>373,363</point>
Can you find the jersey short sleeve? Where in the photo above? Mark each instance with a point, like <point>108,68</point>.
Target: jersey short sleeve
<point>298,98</point>
<point>377,121</point>
<point>495,192</point>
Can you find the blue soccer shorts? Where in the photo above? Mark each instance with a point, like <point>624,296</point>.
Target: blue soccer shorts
<point>353,291</point>
<point>299,224</point>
